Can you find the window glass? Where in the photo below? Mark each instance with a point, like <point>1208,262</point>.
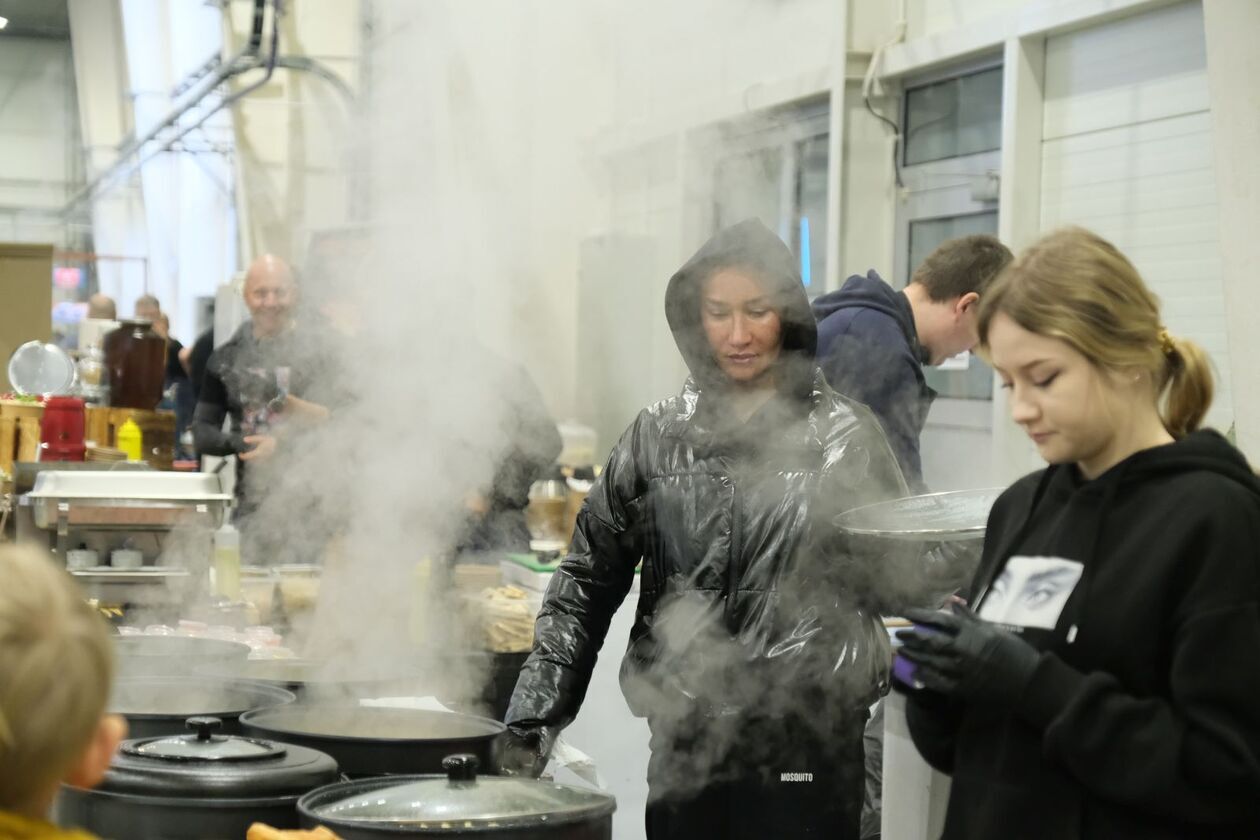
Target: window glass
<point>959,116</point>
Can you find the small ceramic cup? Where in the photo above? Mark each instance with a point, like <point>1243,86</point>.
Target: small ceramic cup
<point>81,558</point>
<point>126,558</point>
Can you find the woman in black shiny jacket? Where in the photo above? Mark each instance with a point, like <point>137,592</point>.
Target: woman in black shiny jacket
<point>757,643</point>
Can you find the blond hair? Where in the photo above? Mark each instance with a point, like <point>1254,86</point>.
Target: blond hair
<point>56,667</point>
<point>1076,286</point>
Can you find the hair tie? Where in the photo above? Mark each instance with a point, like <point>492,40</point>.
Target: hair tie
<point>1166,342</point>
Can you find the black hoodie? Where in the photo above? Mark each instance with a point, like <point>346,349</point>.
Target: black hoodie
<point>869,350</point>
<point>1142,719</point>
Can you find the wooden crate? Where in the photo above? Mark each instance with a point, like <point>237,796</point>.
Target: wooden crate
<point>157,431</point>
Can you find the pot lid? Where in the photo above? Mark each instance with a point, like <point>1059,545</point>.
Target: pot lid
<point>204,745</point>
<point>207,765</point>
<point>39,367</point>
<point>184,697</point>
<point>957,515</point>
<point>460,800</point>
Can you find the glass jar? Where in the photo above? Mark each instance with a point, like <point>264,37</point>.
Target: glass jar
<point>135,362</point>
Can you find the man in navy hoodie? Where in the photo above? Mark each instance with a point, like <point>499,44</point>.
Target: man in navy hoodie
<point>873,340</point>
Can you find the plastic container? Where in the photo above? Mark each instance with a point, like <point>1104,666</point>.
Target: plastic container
<point>130,440</point>
<point>227,562</point>
<point>135,364</point>
<point>578,444</point>
<point>61,430</point>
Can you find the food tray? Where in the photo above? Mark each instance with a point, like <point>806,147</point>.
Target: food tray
<point>138,486</point>
<point>147,574</point>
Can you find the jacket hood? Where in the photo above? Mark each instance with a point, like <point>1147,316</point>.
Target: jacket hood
<point>868,291</point>
<point>1204,450</point>
<point>750,245</point>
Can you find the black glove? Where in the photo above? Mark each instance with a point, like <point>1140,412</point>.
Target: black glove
<point>523,751</point>
<point>967,657</point>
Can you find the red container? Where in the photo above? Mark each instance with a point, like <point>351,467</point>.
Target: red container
<point>135,359</point>
<point>61,430</point>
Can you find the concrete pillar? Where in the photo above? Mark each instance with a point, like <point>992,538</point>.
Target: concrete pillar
<point>1019,215</point>
<point>105,121</point>
<point>1233,65</point>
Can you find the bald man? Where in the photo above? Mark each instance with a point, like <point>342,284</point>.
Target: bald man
<point>102,306</point>
<point>260,378</point>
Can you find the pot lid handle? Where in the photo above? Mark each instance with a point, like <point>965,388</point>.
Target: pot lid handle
<point>205,727</point>
<point>460,768</point>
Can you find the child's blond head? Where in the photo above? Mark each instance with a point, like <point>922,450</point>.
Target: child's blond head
<point>56,668</point>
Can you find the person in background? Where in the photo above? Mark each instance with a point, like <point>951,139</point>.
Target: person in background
<point>56,668</point>
<point>176,390</point>
<point>1104,681</point>
<point>755,649</point>
<point>148,308</point>
<point>496,514</point>
<point>176,387</point>
<point>195,358</point>
<point>873,341</point>
<point>101,306</point>
<point>256,379</point>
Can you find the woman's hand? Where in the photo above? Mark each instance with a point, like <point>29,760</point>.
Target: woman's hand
<point>958,654</point>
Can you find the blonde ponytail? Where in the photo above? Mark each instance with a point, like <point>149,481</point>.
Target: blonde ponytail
<point>1189,386</point>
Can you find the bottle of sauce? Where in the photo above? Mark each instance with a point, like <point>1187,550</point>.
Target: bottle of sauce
<point>130,440</point>
<point>227,562</point>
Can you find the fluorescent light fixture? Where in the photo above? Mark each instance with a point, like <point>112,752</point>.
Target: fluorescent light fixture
<point>4,21</point>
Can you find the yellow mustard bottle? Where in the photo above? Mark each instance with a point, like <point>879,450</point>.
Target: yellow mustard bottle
<point>130,440</point>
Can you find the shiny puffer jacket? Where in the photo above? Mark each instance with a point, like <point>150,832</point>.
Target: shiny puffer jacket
<point>749,599</point>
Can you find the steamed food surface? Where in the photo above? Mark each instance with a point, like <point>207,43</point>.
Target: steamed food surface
<point>375,722</point>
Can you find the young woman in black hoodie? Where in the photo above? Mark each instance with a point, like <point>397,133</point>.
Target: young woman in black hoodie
<point>1108,683</point>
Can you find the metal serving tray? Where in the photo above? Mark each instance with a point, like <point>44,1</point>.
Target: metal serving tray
<point>131,500</point>
<point>935,517</point>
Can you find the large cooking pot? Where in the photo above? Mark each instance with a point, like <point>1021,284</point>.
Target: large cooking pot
<point>203,786</point>
<point>312,679</point>
<point>168,656</point>
<point>376,740</point>
<point>459,804</point>
<point>160,705</point>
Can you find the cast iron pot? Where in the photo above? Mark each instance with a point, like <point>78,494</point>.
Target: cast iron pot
<point>160,705</point>
<point>203,786</point>
<point>375,740</point>
<point>459,804</point>
<point>169,656</point>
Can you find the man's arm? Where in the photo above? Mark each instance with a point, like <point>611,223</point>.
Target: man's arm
<point>207,423</point>
<point>872,363</point>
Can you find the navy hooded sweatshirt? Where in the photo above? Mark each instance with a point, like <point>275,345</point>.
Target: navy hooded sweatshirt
<point>868,350</point>
<point>1142,719</point>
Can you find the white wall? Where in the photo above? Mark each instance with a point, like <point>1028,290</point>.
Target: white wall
<point>39,157</point>
<point>681,72</point>
<point>1233,67</point>
<point>1127,153</point>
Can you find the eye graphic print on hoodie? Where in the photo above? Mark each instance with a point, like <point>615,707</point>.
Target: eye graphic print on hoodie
<point>1031,592</point>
